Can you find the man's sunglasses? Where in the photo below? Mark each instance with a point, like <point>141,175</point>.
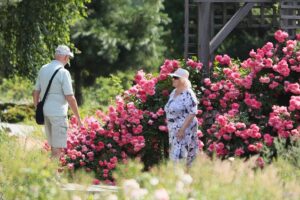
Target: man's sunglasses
<point>175,77</point>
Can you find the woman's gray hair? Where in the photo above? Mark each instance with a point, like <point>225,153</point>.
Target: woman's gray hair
<point>187,83</point>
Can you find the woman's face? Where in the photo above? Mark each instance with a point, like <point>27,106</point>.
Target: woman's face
<point>176,82</point>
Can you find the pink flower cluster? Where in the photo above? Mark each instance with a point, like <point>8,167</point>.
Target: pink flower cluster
<point>294,103</point>
<point>292,87</point>
<point>222,92</point>
<point>223,60</point>
<point>280,120</point>
<point>274,67</point>
<point>260,59</point>
<point>105,146</point>
<point>282,68</point>
<point>168,67</point>
<point>144,86</point>
<point>194,65</point>
<point>227,131</point>
<point>252,102</point>
<point>281,36</point>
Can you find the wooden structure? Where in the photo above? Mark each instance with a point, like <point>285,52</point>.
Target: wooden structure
<point>204,17</point>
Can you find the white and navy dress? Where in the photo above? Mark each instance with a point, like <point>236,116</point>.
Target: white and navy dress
<point>177,109</point>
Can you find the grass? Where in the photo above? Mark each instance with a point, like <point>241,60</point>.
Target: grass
<point>30,173</point>
<point>213,180</point>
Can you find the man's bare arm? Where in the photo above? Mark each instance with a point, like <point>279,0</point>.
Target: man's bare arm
<point>74,107</point>
<point>36,97</point>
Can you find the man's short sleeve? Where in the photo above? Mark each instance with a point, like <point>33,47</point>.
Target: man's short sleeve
<point>67,83</point>
<point>38,83</point>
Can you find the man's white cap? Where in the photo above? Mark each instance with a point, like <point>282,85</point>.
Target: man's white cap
<point>182,73</point>
<point>63,50</point>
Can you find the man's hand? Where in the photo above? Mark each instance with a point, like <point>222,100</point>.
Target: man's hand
<point>74,107</point>
<point>79,123</point>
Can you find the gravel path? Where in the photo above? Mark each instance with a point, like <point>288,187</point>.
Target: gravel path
<point>17,129</point>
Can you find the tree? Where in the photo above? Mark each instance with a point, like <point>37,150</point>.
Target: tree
<point>31,29</point>
<point>175,38</point>
<point>117,35</point>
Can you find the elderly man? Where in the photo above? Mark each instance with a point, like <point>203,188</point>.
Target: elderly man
<point>59,96</point>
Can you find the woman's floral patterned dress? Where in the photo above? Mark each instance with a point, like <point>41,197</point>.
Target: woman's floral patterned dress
<point>177,109</point>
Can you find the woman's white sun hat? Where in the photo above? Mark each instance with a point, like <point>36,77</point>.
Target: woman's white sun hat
<point>182,73</point>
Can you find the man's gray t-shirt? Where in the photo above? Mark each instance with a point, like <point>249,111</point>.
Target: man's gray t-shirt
<point>56,103</point>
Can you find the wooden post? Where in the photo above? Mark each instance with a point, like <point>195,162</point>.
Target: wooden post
<point>204,36</point>
<point>230,25</point>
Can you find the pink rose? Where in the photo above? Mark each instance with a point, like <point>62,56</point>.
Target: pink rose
<point>260,162</point>
<point>239,152</point>
<point>280,35</point>
<point>268,139</point>
<point>96,181</point>
<point>161,194</point>
<point>163,128</point>
<point>252,148</point>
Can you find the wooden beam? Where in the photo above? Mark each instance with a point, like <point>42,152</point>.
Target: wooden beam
<point>290,16</point>
<point>204,35</point>
<point>291,27</point>
<point>288,1</point>
<point>235,1</point>
<point>290,6</point>
<point>186,28</point>
<point>230,25</point>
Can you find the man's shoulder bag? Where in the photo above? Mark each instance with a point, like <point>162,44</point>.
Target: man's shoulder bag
<point>39,114</point>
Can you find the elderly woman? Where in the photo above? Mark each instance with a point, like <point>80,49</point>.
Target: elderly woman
<point>181,111</point>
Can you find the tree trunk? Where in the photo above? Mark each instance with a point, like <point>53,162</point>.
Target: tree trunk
<point>78,86</point>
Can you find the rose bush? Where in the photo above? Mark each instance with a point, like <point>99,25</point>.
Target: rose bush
<point>243,107</point>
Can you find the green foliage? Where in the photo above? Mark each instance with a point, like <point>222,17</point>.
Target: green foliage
<point>104,91</point>
<point>288,159</point>
<point>118,35</point>
<point>15,100</point>
<point>174,38</point>
<point>288,150</point>
<point>15,90</point>
<point>13,113</point>
<point>214,179</point>
<point>30,30</point>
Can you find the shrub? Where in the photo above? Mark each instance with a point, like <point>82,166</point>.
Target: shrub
<point>243,107</point>
<point>15,90</point>
<point>13,113</point>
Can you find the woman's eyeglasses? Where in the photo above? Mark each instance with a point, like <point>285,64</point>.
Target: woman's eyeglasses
<point>175,77</point>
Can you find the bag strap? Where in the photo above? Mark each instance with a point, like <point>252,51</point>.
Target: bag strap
<point>49,84</point>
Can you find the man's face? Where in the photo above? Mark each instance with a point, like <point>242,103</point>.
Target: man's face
<point>66,59</point>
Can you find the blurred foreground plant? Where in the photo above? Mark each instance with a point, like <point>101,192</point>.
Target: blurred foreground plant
<point>208,179</point>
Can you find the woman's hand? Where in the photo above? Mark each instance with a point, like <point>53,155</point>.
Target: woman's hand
<point>180,134</point>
